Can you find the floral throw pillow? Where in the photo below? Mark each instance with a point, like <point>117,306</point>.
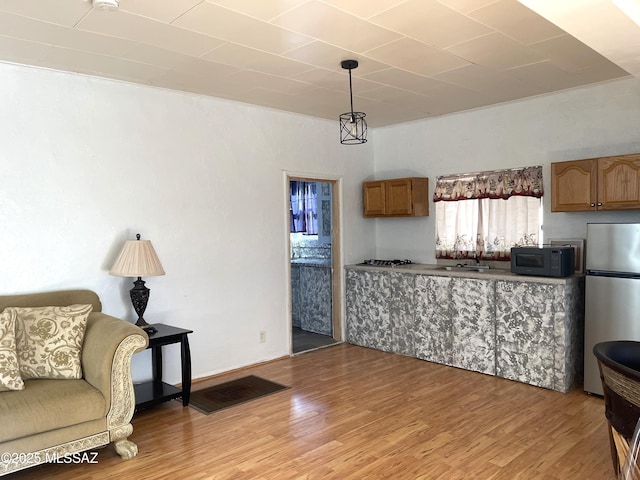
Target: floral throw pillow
<point>49,341</point>
<point>9,372</point>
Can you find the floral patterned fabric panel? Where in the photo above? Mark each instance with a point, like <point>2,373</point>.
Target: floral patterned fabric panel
<point>434,325</point>
<point>401,313</point>
<point>295,295</point>
<point>368,316</point>
<point>315,300</point>
<point>49,341</point>
<point>524,326</point>
<point>473,304</point>
<point>569,338</point>
<point>10,378</point>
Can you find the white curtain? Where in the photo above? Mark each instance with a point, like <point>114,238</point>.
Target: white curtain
<point>456,229</point>
<point>486,228</point>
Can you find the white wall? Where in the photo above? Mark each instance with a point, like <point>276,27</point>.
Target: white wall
<point>580,123</point>
<point>87,163</point>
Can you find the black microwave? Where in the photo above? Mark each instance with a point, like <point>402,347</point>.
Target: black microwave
<point>543,261</point>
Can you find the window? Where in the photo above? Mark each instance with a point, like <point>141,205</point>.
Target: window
<point>303,210</point>
<point>482,215</point>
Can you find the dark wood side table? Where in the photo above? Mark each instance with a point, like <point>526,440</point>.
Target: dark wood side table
<point>156,391</point>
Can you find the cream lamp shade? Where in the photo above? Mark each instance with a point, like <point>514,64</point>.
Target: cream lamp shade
<point>137,259</point>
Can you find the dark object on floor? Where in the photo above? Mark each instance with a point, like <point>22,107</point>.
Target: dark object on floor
<point>234,392</point>
<point>619,363</point>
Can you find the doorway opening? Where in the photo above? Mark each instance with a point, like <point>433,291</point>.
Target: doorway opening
<point>314,257</point>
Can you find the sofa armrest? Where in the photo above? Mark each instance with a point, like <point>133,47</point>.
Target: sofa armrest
<point>109,344</point>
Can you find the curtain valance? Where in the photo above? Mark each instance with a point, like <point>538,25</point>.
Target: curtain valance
<point>492,184</point>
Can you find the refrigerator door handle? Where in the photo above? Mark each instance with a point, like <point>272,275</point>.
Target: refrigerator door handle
<point>604,273</point>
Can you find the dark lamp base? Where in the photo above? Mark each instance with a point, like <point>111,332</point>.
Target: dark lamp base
<point>139,297</point>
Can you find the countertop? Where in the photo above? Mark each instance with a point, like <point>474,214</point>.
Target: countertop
<point>441,270</point>
<point>312,262</point>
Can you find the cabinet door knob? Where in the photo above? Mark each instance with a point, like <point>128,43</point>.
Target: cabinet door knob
<point>593,204</point>
<point>599,204</point>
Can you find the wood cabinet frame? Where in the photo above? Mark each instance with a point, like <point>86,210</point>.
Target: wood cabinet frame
<point>605,183</point>
<point>399,197</point>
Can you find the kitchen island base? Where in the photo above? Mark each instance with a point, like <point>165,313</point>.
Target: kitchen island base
<point>527,329</point>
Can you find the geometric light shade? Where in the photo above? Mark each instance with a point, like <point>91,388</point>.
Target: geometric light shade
<point>137,259</point>
<point>353,128</point>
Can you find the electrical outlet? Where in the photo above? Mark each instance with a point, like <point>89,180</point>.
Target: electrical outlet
<point>263,336</point>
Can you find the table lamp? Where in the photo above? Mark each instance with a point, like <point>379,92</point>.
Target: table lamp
<point>138,259</point>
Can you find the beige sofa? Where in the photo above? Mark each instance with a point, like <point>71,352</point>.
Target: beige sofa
<point>51,419</point>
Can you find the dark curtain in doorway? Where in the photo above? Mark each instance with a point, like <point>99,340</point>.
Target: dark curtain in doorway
<point>304,207</point>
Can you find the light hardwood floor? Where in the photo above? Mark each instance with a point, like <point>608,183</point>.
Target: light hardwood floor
<point>356,413</point>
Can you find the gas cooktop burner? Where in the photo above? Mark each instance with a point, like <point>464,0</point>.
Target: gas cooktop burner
<point>386,263</point>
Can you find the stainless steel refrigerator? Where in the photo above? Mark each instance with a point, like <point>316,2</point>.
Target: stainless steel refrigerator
<point>612,291</point>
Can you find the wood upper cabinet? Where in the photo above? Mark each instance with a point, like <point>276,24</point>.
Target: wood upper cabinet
<point>619,182</point>
<point>374,199</point>
<point>574,186</point>
<point>400,197</point>
<point>607,183</point>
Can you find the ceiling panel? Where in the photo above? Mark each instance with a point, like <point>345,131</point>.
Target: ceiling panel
<point>257,60</point>
<point>21,51</point>
<point>490,81</point>
<point>262,9</point>
<point>111,67</point>
<point>466,6</point>
<point>413,56</point>
<point>546,75</point>
<point>364,9</point>
<point>431,22</point>
<point>417,58</point>
<point>65,12</point>
<point>496,50</point>
<point>165,12</point>
<point>33,30</point>
<point>516,21</point>
<point>219,22</point>
<point>144,30</point>
<point>568,53</point>
<point>335,27</point>
<point>404,80</point>
<point>329,56</point>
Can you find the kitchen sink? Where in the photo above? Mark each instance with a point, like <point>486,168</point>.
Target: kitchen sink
<point>465,268</point>
<point>417,266</point>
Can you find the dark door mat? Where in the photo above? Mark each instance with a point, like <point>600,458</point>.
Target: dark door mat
<point>234,392</point>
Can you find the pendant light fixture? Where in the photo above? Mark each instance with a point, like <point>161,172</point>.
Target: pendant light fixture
<point>353,127</point>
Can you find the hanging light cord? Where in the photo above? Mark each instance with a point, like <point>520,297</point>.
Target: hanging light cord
<point>351,98</point>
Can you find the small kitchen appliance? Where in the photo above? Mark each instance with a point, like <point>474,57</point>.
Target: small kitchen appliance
<point>545,261</point>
